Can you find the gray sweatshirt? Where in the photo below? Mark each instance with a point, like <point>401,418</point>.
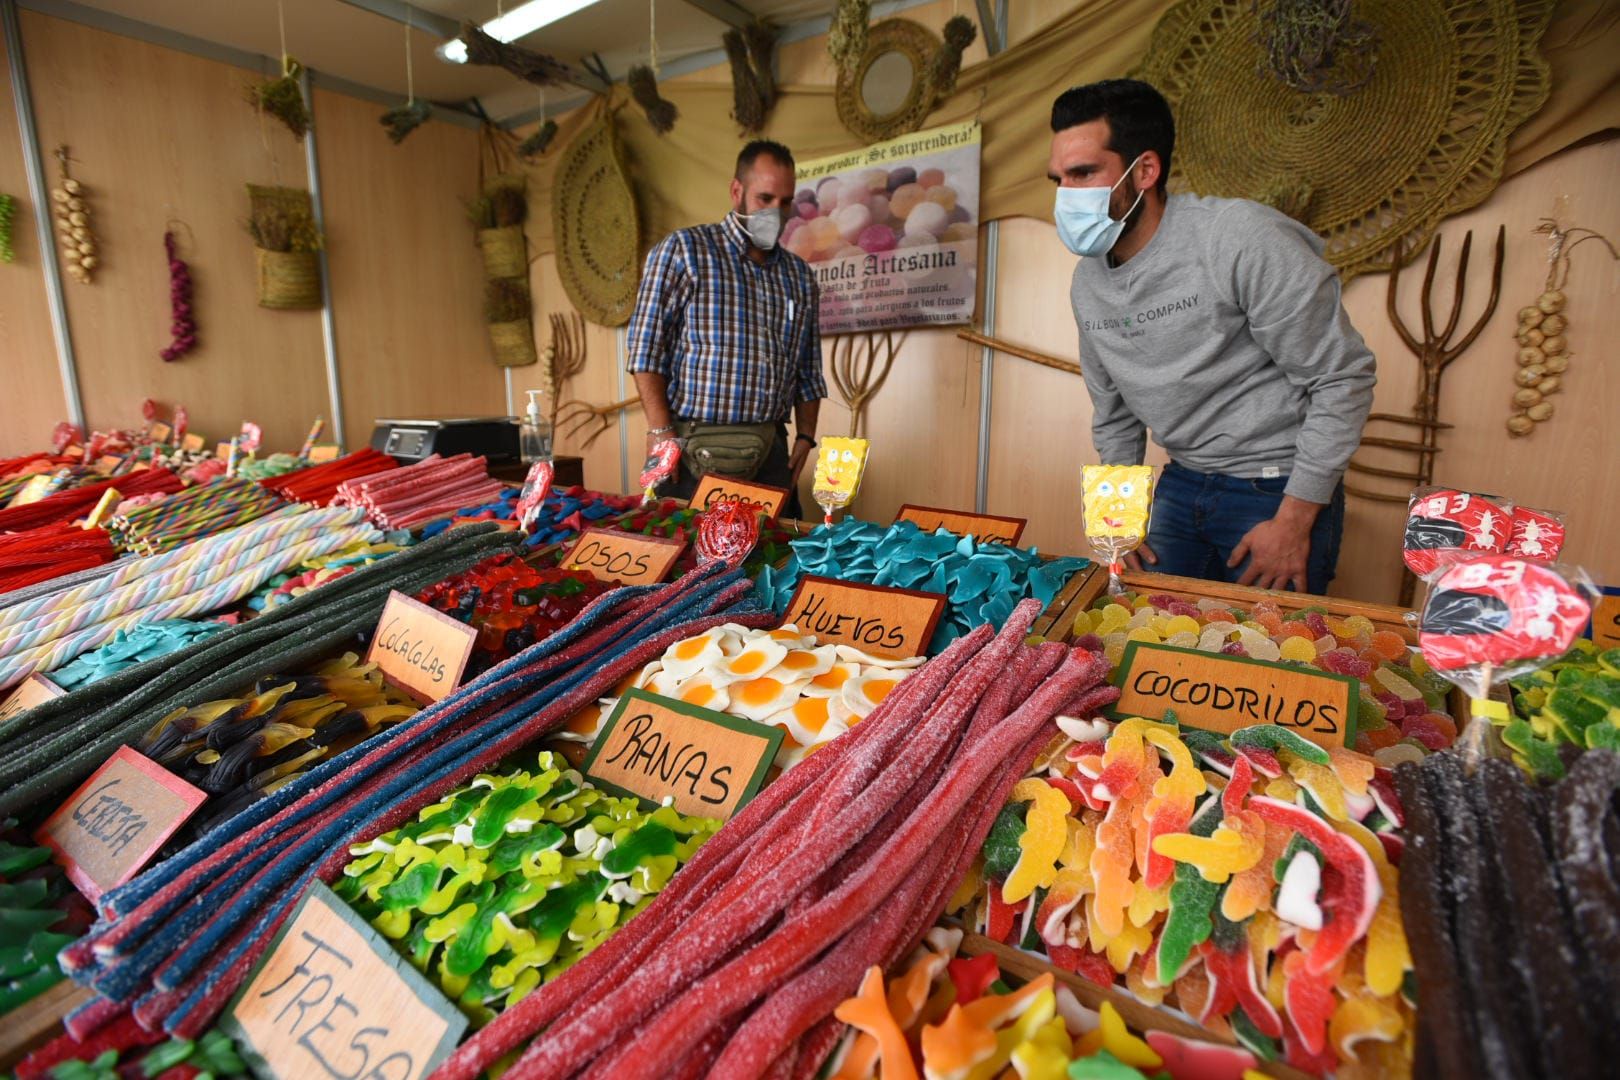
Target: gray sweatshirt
<point>1225,335</point>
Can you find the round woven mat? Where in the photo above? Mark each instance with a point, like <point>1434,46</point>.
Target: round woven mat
<point>1424,139</point>
<point>598,238</point>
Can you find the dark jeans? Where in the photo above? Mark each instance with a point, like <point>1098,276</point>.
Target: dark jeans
<point>1199,518</point>
<point>773,472</point>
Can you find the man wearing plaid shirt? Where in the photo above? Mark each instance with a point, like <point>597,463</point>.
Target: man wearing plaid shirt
<point>725,337</point>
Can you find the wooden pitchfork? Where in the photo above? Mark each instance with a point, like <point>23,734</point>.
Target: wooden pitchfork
<point>565,358</point>
<point>860,366</point>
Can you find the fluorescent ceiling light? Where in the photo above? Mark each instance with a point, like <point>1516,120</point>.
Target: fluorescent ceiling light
<point>521,21</point>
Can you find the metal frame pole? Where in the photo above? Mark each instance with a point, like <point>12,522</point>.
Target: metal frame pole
<point>312,165</point>
<point>39,191</point>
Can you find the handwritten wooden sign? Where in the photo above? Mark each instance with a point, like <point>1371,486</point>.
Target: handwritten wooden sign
<point>985,528</point>
<point>117,820</point>
<point>222,451</point>
<point>421,650</point>
<point>333,1000</point>
<point>1606,619</point>
<point>893,623</point>
<point>1219,693</point>
<point>703,763</point>
<point>192,442</point>
<point>34,690</point>
<point>107,463</point>
<point>324,453</point>
<point>625,558</point>
<point>711,489</point>
<point>159,431</point>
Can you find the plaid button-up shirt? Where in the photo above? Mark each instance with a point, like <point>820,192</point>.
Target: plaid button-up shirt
<point>738,341</point>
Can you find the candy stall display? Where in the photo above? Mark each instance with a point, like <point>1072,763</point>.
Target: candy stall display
<point>198,512</point>
<point>149,954</point>
<point>779,676</point>
<point>509,881</point>
<point>981,582</point>
<point>1251,881</point>
<point>318,485</point>
<point>1572,704</point>
<point>846,861</point>
<point>40,913</point>
<point>415,494</point>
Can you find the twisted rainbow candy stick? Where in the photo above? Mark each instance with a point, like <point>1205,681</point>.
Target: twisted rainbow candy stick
<point>134,568</point>
<point>201,569</point>
<point>179,601</point>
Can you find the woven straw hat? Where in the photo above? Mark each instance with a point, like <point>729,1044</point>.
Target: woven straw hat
<point>1424,139</point>
<point>594,217</point>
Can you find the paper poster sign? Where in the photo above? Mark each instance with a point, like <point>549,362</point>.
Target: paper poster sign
<point>333,1000</point>
<point>34,690</point>
<point>985,528</point>
<point>421,650</point>
<point>624,558</point>
<point>892,230</point>
<point>711,489</point>
<point>117,820</point>
<point>706,763</point>
<point>1605,628</point>
<point>893,623</point>
<point>1218,693</point>
<point>320,454</point>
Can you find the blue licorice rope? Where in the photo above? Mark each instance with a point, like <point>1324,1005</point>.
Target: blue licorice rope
<point>473,696</point>
<point>123,979</point>
<point>261,810</point>
<point>352,825</point>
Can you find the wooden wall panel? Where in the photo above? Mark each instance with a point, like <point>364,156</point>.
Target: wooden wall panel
<point>31,397</point>
<point>597,385</point>
<point>406,273</point>
<point>161,135</point>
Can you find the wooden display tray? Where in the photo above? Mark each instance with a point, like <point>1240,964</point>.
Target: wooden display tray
<point>36,1022</point>
<point>1139,1015</point>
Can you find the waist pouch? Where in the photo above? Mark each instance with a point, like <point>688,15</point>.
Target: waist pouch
<point>734,450</point>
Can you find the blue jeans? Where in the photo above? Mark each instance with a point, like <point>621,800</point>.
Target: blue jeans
<point>1199,519</point>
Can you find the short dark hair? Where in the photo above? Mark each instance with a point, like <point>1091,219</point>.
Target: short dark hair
<point>1138,118</point>
<point>763,148</point>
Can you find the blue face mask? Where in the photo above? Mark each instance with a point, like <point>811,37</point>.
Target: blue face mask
<point>1082,217</point>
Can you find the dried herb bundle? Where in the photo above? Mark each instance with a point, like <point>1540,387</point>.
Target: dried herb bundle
<point>947,62</point>
<point>401,120</point>
<point>8,214</point>
<point>283,98</point>
<point>536,144</point>
<point>753,86</point>
<point>1315,47</point>
<point>278,226</point>
<point>846,37</point>
<point>529,66</point>
<point>643,85</point>
<point>506,300</point>
<point>508,205</point>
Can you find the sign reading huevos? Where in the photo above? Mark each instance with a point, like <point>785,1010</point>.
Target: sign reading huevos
<point>893,623</point>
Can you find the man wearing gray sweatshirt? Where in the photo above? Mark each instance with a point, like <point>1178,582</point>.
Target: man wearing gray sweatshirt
<point>1217,325</point>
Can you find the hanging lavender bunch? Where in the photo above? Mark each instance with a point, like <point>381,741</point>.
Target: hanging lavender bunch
<point>183,327</point>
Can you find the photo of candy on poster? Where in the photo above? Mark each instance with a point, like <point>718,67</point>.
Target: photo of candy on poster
<point>891,230</point>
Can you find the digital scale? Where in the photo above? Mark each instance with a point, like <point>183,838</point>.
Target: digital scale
<point>413,438</point>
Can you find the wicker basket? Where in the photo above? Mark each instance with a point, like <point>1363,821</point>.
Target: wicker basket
<point>514,343</point>
<point>288,279</point>
<point>506,255</point>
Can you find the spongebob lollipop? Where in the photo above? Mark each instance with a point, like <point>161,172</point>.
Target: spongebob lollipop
<point>1117,499</point>
<point>839,467</point>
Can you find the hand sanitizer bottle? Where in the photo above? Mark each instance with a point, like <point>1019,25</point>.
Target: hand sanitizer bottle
<point>534,435</point>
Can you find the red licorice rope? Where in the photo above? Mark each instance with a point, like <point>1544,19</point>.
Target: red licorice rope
<point>318,484</point>
<point>27,558</point>
<point>65,506</point>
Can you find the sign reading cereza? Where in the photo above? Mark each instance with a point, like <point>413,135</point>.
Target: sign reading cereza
<point>711,489</point>
<point>333,1000</point>
<point>1219,693</point>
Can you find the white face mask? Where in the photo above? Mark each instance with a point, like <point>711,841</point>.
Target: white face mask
<point>1082,217</point>
<point>764,227</point>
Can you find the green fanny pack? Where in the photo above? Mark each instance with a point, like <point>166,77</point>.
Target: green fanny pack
<point>734,450</point>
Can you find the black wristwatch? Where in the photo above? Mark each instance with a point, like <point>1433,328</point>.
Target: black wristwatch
<point>808,439</point>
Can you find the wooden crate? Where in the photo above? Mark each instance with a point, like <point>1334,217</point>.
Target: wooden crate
<point>1139,1015</point>
<point>36,1022</point>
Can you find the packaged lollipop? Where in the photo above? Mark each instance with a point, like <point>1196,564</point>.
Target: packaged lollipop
<point>728,531</point>
<point>1445,527</point>
<point>1496,618</point>
<point>252,437</point>
<point>182,424</point>
<point>536,486</point>
<point>660,466</point>
<point>65,435</point>
<point>1117,503</point>
<point>1537,534</point>
<point>839,468</point>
